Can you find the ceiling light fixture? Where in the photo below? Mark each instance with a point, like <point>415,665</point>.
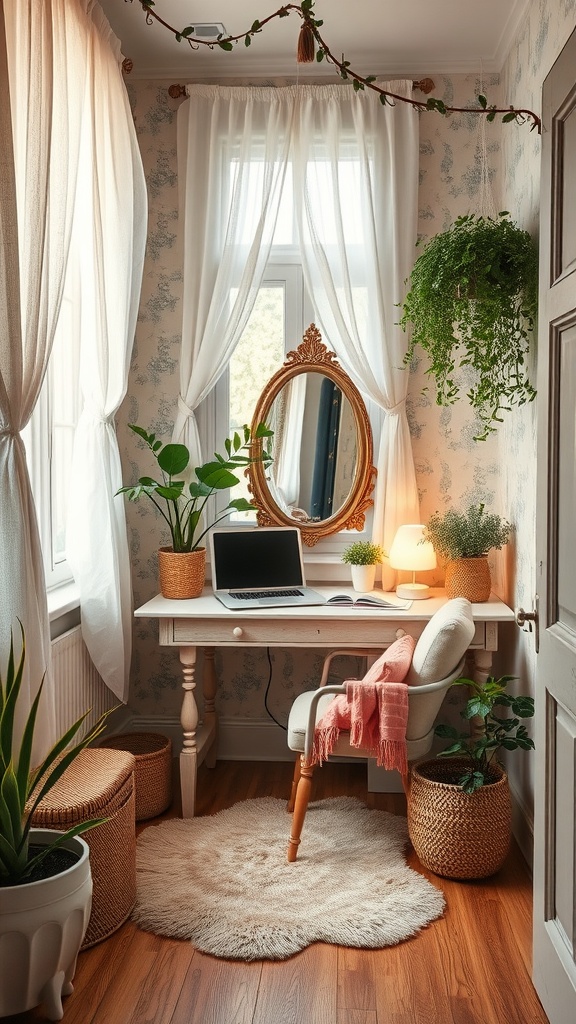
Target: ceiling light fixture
<point>208,31</point>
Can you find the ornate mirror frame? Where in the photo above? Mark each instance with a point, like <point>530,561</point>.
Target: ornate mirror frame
<point>312,356</point>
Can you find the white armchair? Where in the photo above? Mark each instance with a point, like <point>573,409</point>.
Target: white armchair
<point>438,660</point>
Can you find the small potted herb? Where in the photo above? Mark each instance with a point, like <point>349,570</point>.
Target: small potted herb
<point>363,556</point>
<point>459,811</point>
<point>464,539</point>
<point>182,567</point>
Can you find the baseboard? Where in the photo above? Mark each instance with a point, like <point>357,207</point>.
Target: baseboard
<point>239,739</point>
<point>382,781</point>
<point>523,826</point>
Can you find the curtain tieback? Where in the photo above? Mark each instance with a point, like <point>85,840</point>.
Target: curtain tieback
<point>185,409</point>
<point>395,410</point>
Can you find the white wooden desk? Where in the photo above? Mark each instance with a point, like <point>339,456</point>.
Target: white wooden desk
<point>204,622</point>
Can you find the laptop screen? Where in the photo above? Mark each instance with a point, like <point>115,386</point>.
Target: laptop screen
<point>256,559</point>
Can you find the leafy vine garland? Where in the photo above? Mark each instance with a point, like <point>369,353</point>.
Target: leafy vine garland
<point>311,41</point>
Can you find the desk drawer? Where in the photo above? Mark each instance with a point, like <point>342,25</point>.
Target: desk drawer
<point>275,633</point>
<point>238,632</point>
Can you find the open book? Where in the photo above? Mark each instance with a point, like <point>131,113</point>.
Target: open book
<point>369,601</point>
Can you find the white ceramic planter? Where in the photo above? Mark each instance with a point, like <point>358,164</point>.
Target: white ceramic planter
<point>42,925</point>
<point>363,577</point>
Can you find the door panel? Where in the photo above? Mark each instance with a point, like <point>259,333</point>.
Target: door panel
<point>554,964</point>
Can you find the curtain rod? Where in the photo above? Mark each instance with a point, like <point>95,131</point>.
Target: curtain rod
<point>425,85</point>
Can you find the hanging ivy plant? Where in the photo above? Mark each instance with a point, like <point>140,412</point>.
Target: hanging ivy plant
<point>472,303</point>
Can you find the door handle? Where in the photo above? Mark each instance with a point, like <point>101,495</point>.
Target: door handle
<point>524,619</point>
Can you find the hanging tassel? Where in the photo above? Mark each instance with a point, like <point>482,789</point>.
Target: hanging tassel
<point>306,49</point>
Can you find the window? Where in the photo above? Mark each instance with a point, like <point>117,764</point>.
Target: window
<point>280,316</point>
<point>283,310</point>
<point>48,439</point>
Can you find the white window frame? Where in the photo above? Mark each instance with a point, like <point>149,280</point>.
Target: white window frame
<point>38,438</point>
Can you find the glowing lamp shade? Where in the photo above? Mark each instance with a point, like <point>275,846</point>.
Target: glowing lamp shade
<point>410,551</point>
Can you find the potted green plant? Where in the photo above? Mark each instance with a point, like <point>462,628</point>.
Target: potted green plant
<point>363,556</point>
<point>45,879</point>
<point>182,567</point>
<point>464,539</point>
<point>459,810</point>
<point>471,304</point>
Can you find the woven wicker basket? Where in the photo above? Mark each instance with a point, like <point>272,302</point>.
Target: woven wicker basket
<point>153,770</point>
<point>181,573</point>
<point>99,784</point>
<point>456,834</point>
<point>470,578</point>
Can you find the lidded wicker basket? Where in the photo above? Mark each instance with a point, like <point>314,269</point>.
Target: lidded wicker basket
<point>457,834</point>
<point>153,770</point>
<point>99,784</point>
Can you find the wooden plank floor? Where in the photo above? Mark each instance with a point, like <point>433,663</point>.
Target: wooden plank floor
<point>470,967</point>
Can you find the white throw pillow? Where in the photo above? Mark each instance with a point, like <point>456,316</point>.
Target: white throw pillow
<point>444,641</point>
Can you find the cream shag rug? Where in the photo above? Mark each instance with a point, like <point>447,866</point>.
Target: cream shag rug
<point>223,881</point>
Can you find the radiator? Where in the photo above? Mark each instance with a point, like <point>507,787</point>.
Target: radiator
<point>77,685</point>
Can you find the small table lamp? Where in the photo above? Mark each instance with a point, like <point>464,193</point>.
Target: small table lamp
<point>410,551</point>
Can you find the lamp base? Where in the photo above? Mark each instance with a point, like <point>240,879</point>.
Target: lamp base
<point>413,591</point>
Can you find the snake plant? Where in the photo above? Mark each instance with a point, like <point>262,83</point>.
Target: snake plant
<point>23,787</point>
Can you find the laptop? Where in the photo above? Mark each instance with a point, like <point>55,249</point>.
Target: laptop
<point>260,567</point>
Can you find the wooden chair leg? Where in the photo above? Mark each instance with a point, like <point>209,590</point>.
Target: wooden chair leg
<point>295,781</point>
<point>300,808</point>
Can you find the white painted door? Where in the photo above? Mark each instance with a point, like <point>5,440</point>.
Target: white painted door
<point>554,964</point>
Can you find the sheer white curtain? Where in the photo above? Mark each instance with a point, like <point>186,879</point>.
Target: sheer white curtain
<point>109,243</point>
<point>42,71</point>
<point>355,192</point>
<point>232,156</point>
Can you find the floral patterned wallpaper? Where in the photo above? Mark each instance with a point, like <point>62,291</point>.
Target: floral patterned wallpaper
<point>451,467</point>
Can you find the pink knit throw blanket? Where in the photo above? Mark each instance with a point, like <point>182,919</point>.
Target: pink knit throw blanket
<point>375,714</point>
<point>374,710</point>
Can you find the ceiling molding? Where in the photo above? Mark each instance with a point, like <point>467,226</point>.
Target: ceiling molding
<point>509,33</point>
<point>289,69</point>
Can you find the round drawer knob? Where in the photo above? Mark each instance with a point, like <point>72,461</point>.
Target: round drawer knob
<point>238,632</point>
<point>400,633</point>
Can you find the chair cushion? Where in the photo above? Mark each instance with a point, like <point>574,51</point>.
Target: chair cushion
<point>298,717</point>
<point>444,641</point>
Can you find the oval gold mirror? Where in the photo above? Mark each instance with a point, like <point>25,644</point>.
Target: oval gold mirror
<point>322,475</point>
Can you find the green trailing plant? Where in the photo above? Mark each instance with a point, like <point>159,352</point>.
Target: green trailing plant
<point>182,504</point>
<point>471,304</point>
<point>469,534</point>
<point>491,731</point>
<point>312,46</point>
<point>22,787</point>
<point>362,552</point>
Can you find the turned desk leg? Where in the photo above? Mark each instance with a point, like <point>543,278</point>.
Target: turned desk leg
<point>482,666</point>
<point>482,669</point>
<point>189,720</point>
<point>209,691</point>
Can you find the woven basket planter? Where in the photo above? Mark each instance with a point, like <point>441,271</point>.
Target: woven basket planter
<point>469,578</point>
<point>182,573</point>
<point>153,770</point>
<point>457,834</point>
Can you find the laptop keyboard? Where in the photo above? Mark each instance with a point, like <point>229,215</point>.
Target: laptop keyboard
<point>259,594</point>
